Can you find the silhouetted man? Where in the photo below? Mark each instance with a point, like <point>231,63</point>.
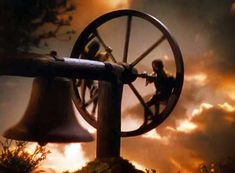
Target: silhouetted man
<point>164,84</point>
<point>92,53</point>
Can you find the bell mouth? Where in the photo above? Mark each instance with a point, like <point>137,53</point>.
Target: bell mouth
<point>55,135</point>
<point>49,116</point>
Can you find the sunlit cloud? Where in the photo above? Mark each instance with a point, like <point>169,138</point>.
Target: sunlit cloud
<point>117,3</point>
<point>199,110</point>
<point>227,107</point>
<point>128,123</point>
<point>71,159</point>
<point>89,10</point>
<point>138,166</point>
<point>30,148</point>
<point>198,78</point>
<point>186,126</point>
<point>152,134</point>
<point>230,118</point>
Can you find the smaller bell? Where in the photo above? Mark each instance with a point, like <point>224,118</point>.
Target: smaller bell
<point>49,116</point>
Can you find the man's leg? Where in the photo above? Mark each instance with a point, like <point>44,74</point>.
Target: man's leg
<point>147,113</point>
<point>157,108</point>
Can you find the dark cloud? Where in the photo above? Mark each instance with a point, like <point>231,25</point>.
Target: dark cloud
<point>210,142</point>
<point>213,140</point>
<point>199,26</point>
<point>187,100</point>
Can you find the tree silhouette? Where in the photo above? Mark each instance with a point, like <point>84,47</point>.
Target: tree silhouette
<point>23,22</point>
<point>227,165</point>
<point>15,158</point>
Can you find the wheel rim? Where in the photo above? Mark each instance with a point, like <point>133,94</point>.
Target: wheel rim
<point>91,31</point>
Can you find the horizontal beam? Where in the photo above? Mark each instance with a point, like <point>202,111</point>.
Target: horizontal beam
<point>33,65</point>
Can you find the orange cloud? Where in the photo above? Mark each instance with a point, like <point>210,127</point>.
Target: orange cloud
<point>198,78</point>
<point>71,158</point>
<point>227,107</point>
<point>186,126</point>
<point>89,10</point>
<point>227,86</point>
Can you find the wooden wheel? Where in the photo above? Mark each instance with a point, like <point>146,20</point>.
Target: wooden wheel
<point>86,90</point>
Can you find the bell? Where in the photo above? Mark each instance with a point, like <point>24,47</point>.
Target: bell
<point>49,116</point>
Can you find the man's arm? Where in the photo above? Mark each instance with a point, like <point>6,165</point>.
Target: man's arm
<point>149,77</point>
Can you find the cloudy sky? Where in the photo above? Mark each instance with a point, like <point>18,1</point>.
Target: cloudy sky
<point>201,129</point>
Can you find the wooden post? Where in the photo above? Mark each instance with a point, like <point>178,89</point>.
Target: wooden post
<point>109,119</point>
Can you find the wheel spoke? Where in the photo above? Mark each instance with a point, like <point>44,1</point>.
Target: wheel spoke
<point>137,94</point>
<point>127,39</point>
<point>76,92</point>
<point>83,90</point>
<point>107,49</point>
<point>91,37</point>
<point>143,55</point>
<point>91,100</point>
<point>77,82</point>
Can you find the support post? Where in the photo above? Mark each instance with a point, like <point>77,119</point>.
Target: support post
<point>109,119</point>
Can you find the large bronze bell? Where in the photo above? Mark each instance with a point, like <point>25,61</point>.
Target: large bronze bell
<point>49,116</point>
